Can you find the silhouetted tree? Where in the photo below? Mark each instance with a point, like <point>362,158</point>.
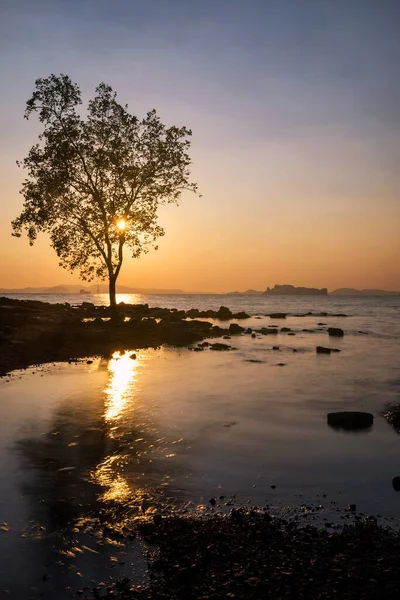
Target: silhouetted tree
<point>94,184</point>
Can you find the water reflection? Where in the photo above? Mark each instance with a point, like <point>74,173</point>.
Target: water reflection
<point>121,387</point>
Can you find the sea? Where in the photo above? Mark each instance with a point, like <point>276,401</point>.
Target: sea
<point>88,448</point>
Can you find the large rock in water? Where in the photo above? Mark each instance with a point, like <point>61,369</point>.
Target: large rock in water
<point>224,314</point>
<point>278,316</point>
<point>335,332</point>
<point>350,420</point>
<point>234,328</point>
<point>392,415</point>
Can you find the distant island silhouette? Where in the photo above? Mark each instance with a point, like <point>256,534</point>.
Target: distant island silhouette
<point>291,290</point>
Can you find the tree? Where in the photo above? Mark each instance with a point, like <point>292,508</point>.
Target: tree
<point>94,184</point>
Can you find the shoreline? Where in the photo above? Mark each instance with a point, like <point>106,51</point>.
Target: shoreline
<point>249,555</point>
<point>34,332</point>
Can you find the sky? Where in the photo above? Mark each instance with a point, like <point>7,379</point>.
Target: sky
<point>295,112</point>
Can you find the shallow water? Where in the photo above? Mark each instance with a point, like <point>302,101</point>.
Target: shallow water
<point>170,429</point>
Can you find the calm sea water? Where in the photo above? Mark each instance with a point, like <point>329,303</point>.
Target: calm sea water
<point>172,428</point>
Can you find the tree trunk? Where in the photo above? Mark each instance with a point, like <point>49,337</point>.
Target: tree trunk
<point>113,298</point>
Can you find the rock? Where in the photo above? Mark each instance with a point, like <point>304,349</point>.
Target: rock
<point>268,331</point>
<point>241,315</point>
<point>392,415</point>
<point>220,347</point>
<point>253,335</point>
<point>212,501</point>
<point>291,333</point>
<point>234,328</point>
<point>285,329</point>
<point>249,330</point>
<point>275,347</point>
<point>335,332</point>
<point>351,508</point>
<point>87,305</point>
<point>396,483</point>
<point>226,337</point>
<point>278,316</point>
<point>224,314</point>
<point>350,420</point>
<point>203,344</point>
<point>133,357</point>
<point>321,323</point>
<point>322,350</point>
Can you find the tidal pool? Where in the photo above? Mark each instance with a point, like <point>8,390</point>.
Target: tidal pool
<point>88,448</point>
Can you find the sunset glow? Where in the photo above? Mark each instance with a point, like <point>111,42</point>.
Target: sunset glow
<point>121,224</point>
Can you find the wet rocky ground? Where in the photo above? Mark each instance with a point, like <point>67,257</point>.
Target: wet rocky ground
<point>33,332</point>
<point>251,555</point>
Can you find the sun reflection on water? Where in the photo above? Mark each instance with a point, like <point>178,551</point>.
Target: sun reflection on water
<point>123,372</point>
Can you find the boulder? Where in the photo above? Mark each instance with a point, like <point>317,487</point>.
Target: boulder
<point>335,332</point>
<point>234,328</point>
<point>322,350</point>
<point>396,484</point>
<point>220,347</point>
<point>87,305</point>
<point>350,420</point>
<point>392,415</point>
<point>278,315</point>
<point>285,329</point>
<point>224,314</point>
<point>268,331</point>
<point>241,315</point>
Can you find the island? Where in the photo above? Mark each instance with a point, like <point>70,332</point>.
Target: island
<point>291,290</point>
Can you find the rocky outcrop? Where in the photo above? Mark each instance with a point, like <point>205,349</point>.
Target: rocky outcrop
<point>335,332</point>
<point>392,415</point>
<point>350,420</point>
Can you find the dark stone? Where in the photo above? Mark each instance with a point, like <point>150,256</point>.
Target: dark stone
<point>335,331</point>
<point>249,330</point>
<point>226,337</point>
<point>212,501</point>
<point>87,305</point>
<point>278,315</point>
<point>224,314</point>
<point>203,344</point>
<point>350,420</point>
<point>351,508</point>
<point>321,323</point>
<point>322,350</point>
<point>291,333</point>
<point>285,329</point>
<point>241,315</point>
<point>234,328</point>
<point>392,415</point>
<point>133,356</point>
<point>396,483</point>
<point>220,347</point>
<point>268,331</point>
<point>275,347</point>
<point>253,335</point>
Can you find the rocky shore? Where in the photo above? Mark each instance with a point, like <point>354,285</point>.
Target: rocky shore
<point>248,555</point>
<point>33,332</point>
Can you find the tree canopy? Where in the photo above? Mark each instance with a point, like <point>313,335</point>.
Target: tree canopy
<point>94,183</point>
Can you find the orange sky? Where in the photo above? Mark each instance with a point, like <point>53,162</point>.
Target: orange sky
<point>295,138</point>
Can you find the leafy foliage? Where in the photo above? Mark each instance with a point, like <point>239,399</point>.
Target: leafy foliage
<point>87,174</point>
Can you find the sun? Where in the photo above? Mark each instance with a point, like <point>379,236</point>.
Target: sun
<point>121,224</point>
